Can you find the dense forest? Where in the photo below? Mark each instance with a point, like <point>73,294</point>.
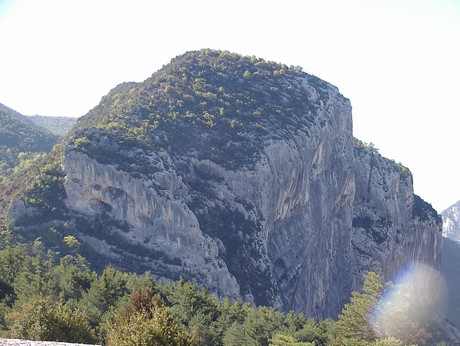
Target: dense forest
<point>45,295</point>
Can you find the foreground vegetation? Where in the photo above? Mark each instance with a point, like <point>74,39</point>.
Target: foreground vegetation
<point>44,296</point>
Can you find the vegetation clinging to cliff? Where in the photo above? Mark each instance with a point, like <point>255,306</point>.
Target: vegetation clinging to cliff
<point>370,148</point>
<point>214,102</point>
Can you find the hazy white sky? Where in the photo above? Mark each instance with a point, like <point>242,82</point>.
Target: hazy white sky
<point>397,61</point>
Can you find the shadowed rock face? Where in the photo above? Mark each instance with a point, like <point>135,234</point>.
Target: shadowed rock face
<point>450,259</point>
<point>260,193</point>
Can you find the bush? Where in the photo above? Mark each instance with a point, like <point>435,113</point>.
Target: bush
<point>144,322</point>
<point>41,319</point>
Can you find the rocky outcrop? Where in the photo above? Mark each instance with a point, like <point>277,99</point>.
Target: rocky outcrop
<point>262,196</point>
<point>451,225</point>
<point>162,226</point>
<point>391,225</point>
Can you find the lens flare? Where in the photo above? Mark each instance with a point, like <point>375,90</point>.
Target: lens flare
<point>408,304</point>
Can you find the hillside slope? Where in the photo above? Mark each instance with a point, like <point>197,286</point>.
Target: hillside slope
<point>20,140</point>
<point>239,174</point>
<point>451,259</point>
<point>58,126</point>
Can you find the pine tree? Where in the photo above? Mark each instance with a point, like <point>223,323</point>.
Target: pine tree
<point>354,327</point>
<point>42,319</point>
<point>145,321</point>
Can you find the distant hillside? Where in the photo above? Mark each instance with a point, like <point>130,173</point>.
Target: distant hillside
<point>451,259</point>
<point>6,109</point>
<point>451,274</point>
<point>59,126</point>
<point>20,141</point>
<point>451,218</point>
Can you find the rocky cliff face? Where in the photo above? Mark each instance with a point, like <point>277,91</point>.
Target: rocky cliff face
<point>451,225</point>
<point>165,231</point>
<point>391,225</point>
<point>250,186</point>
<point>282,227</point>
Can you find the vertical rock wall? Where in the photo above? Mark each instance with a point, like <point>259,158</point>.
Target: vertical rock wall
<point>392,227</point>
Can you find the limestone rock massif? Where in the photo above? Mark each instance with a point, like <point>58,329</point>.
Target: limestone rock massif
<point>243,176</point>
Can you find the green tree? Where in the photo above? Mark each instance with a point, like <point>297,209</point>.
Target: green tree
<point>390,341</point>
<point>354,327</point>
<point>311,332</point>
<point>258,327</point>
<point>105,292</point>
<point>285,340</point>
<point>11,261</point>
<point>42,319</point>
<point>196,309</point>
<point>72,278</point>
<point>34,278</point>
<point>404,316</point>
<point>236,335</point>
<point>145,321</point>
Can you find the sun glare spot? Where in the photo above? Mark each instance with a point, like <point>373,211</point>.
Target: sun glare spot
<point>409,303</point>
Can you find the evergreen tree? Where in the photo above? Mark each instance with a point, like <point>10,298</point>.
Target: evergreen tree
<point>105,292</point>
<point>284,340</point>
<point>42,319</point>
<point>145,321</point>
<point>354,327</point>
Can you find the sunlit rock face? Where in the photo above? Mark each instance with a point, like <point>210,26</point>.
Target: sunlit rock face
<point>391,226</point>
<point>242,176</point>
<point>451,225</point>
<point>166,233</point>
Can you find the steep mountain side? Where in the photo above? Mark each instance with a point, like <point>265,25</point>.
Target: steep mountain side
<point>17,132</point>
<point>14,113</point>
<point>451,225</point>
<point>20,140</point>
<point>238,174</point>
<point>391,225</point>
<point>451,274</point>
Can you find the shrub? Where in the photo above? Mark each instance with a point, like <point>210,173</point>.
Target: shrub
<point>145,321</point>
<point>41,319</point>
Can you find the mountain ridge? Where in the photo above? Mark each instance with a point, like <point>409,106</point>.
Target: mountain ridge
<point>21,141</point>
<point>58,126</point>
<point>239,174</point>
